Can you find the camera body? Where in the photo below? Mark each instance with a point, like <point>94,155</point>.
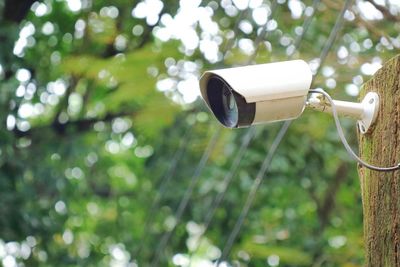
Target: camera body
<point>243,96</point>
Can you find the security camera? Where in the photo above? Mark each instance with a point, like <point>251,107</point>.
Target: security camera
<point>243,96</point>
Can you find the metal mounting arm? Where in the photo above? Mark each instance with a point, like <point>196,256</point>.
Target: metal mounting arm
<point>370,109</point>
<point>365,112</point>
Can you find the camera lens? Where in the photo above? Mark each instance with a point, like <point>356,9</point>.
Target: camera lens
<point>229,107</point>
<point>229,100</point>
<point>223,102</point>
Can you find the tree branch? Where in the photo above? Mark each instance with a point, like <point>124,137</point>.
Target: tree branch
<point>328,203</point>
<point>64,102</point>
<point>77,126</point>
<point>373,29</point>
<point>386,13</point>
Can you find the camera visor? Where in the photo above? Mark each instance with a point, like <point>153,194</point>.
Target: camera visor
<point>230,108</point>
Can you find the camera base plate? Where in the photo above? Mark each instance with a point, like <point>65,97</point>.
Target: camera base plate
<point>370,105</point>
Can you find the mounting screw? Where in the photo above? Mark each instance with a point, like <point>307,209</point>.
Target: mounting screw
<point>362,128</point>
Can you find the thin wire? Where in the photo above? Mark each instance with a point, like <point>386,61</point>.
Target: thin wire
<point>166,178</point>
<point>254,188</point>
<point>267,161</point>
<point>263,34</point>
<point>225,184</point>
<point>333,35</point>
<point>182,205</point>
<point>231,41</point>
<point>186,198</point>
<point>344,141</point>
<point>251,132</point>
<point>179,153</point>
<point>162,187</point>
<point>305,27</point>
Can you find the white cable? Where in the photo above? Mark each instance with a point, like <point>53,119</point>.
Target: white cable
<point>344,141</point>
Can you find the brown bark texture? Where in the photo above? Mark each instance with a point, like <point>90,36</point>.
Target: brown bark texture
<point>381,190</point>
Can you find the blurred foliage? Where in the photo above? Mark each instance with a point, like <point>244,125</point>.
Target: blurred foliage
<point>97,98</point>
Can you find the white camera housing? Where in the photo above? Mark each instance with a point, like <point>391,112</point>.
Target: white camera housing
<point>243,96</point>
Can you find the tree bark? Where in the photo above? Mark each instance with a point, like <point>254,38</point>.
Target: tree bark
<point>381,190</point>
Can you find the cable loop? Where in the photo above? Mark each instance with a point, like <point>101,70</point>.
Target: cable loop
<point>344,140</point>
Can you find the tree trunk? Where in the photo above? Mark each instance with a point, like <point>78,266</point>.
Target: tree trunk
<point>381,190</point>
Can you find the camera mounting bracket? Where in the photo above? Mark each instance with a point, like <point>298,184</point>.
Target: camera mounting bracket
<point>365,111</point>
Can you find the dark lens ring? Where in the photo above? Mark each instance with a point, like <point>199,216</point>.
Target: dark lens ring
<point>219,96</point>
<point>241,115</point>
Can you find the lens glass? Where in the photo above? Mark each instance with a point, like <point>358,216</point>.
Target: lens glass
<point>222,102</point>
<point>229,106</point>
